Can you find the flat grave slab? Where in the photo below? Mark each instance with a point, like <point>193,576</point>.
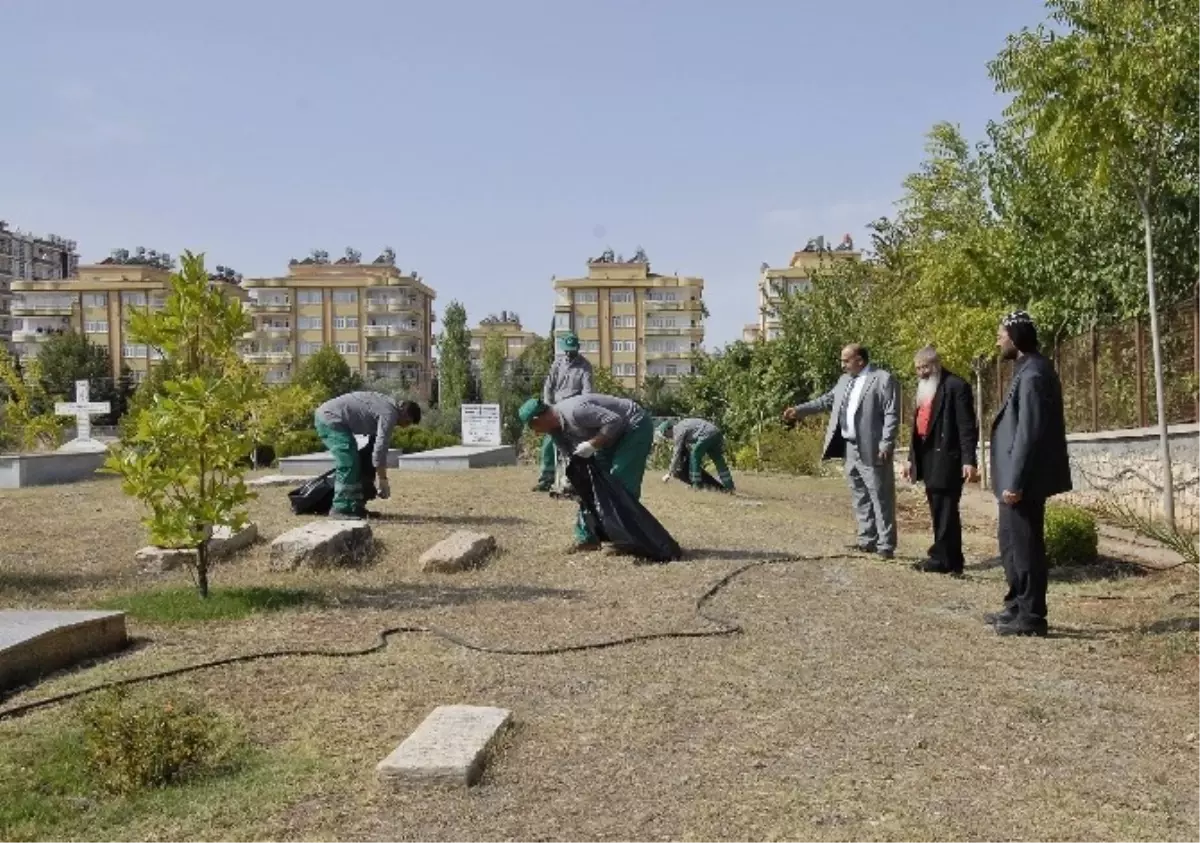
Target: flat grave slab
<point>36,643</point>
<point>20,471</point>
<point>314,464</point>
<point>279,480</point>
<point>450,746</point>
<point>460,458</point>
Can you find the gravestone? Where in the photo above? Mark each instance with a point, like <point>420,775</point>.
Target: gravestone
<point>36,643</point>
<point>481,445</point>
<point>450,746</point>
<point>306,466</point>
<point>83,410</point>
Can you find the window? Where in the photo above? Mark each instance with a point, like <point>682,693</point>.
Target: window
<point>345,296</point>
<point>135,299</point>
<point>590,346</point>
<point>621,296</point>
<point>95,299</point>
<point>341,322</point>
<point>137,375</point>
<point>661,322</point>
<point>309,323</point>
<point>590,321</point>
<point>586,297</point>
<point>99,326</point>
<point>798,286</point>
<point>133,351</point>
<point>347,348</point>
<point>18,324</point>
<point>308,296</point>
<point>309,347</point>
<point>624,346</point>
<point>671,370</point>
<point>661,295</point>
<point>629,321</point>
<point>562,321</point>
<point>625,370</point>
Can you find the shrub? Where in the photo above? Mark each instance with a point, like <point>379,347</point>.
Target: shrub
<point>134,743</point>
<point>301,442</point>
<point>794,451</point>
<point>414,440</point>
<point>1072,537</point>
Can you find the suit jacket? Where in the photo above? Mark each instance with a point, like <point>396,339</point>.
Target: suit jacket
<point>938,458</point>
<point>876,420</point>
<point>1029,434</point>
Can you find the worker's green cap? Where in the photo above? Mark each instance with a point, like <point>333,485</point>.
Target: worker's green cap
<point>530,410</point>
<point>569,342</point>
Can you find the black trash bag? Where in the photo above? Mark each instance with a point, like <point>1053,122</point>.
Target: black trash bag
<point>707,481</point>
<point>615,517</point>
<point>316,496</point>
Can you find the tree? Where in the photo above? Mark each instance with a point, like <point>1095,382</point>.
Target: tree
<point>66,358</point>
<point>326,375</point>
<point>605,383</point>
<point>185,457</point>
<point>493,362</point>
<point>282,417</point>
<point>454,359</point>
<point>28,421</point>
<point>1115,97</point>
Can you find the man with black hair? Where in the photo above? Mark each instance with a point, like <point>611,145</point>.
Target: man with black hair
<point>365,414</point>
<point>1029,465</point>
<point>862,431</point>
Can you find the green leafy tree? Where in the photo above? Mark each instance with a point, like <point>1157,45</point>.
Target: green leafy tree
<point>605,383</point>
<point>66,358</point>
<point>283,417</point>
<point>454,360</point>
<point>1109,88</point>
<point>185,457</point>
<point>326,375</point>
<point>492,368</point>
<point>28,421</point>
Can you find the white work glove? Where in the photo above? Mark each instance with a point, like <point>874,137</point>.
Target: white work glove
<point>585,450</point>
<point>666,478</point>
<point>385,490</point>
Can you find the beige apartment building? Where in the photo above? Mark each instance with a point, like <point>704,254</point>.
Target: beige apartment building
<point>379,319</point>
<point>632,320</point>
<point>97,303</point>
<point>508,325</point>
<point>796,277</point>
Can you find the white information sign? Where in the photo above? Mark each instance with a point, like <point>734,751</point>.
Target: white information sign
<point>481,424</point>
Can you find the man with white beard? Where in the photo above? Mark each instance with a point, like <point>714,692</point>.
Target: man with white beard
<point>942,455</point>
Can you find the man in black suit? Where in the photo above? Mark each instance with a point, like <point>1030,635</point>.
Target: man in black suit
<point>1029,465</point>
<point>942,456</point>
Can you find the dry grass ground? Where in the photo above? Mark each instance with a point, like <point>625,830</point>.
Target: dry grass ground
<point>864,700</point>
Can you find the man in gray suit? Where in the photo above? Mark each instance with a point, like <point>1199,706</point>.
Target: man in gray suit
<point>1029,465</point>
<point>864,419</point>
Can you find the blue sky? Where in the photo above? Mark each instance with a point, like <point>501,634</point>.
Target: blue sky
<point>491,144</point>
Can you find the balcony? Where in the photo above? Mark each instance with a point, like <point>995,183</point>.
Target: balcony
<point>400,356</point>
<point>677,304</point>
<point>268,357</point>
<point>32,336</point>
<point>270,306</point>
<point>268,332</point>
<point>674,331</point>
<point>24,308</point>
<point>682,354</point>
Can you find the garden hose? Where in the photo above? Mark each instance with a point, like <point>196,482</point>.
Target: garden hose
<point>723,627</point>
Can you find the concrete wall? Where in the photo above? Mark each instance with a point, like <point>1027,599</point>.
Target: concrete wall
<point>18,471</point>
<point>1126,464</point>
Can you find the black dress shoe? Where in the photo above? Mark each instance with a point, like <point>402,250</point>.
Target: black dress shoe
<point>992,618</point>
<point>1019,627</point>
<point>861,548</point>
<point>937,566</point>
<point>886,554</point>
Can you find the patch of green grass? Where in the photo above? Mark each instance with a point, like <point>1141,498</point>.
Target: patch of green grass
<point>47,792</point>
<point>185,604</point>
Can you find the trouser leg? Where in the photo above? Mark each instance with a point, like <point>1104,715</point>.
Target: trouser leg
<point>546,465</point>
<point>1005,538</point>
<point>348,495</point>
<point>1029,564</point>
<point>947,527</point>
<point>860,497</point>
<point>717,453</point>
<point>880,482</point>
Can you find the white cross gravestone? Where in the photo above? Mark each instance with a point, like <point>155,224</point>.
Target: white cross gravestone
<point>82,410</point>
<point>481,424</point>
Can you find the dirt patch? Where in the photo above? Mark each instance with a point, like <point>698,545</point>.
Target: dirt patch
<point>863,699</point>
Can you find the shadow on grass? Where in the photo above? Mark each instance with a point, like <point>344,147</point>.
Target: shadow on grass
<point>475,520</point>
<point>174,605</point>
<point>1104,568</point>
<point>429,595</point>
<point>36,582</point>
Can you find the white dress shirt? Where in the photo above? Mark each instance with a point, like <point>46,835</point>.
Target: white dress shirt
<point>856,389</point>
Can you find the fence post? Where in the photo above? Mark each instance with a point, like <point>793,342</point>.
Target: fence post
<point>1095,353</point>
<point>1139,345</point>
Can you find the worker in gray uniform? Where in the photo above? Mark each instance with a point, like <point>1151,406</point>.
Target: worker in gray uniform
<point>365,414</point>
<point>570,375</point>
<point>694,440</point>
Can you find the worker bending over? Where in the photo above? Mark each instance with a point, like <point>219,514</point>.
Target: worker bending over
<point>694,440</point>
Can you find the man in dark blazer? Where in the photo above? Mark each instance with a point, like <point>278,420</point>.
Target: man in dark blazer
<point>942,456</point>
<point>1029,465</point>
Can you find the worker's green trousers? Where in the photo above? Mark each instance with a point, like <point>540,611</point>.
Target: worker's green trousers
<point>626,461</point>
<point>547,463</point>
<point>347,479</point>
<point>714,448</point>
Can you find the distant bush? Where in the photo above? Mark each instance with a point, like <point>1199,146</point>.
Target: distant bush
<point>794,451</point>
<point>140,742</point>
<point>1072,537</point>
<point>413,440</point>
<point>301,442</point>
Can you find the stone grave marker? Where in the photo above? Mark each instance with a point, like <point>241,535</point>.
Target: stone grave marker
<point>450,746</point>
<point>36,643</point>
<point>83,410</point>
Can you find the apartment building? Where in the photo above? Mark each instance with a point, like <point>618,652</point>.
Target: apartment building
<point>632,320</point>
<point>29,257</point>
<point>508,325</point>
<point>97,303</point>
<point>379,319</point>
<point>796,277</point>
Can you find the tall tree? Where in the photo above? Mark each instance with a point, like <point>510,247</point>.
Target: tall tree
<point>492,365</point>
<point>454,359</point>
<point>326,375</point>
<point>185,457</point>
<point>1109,88</point>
